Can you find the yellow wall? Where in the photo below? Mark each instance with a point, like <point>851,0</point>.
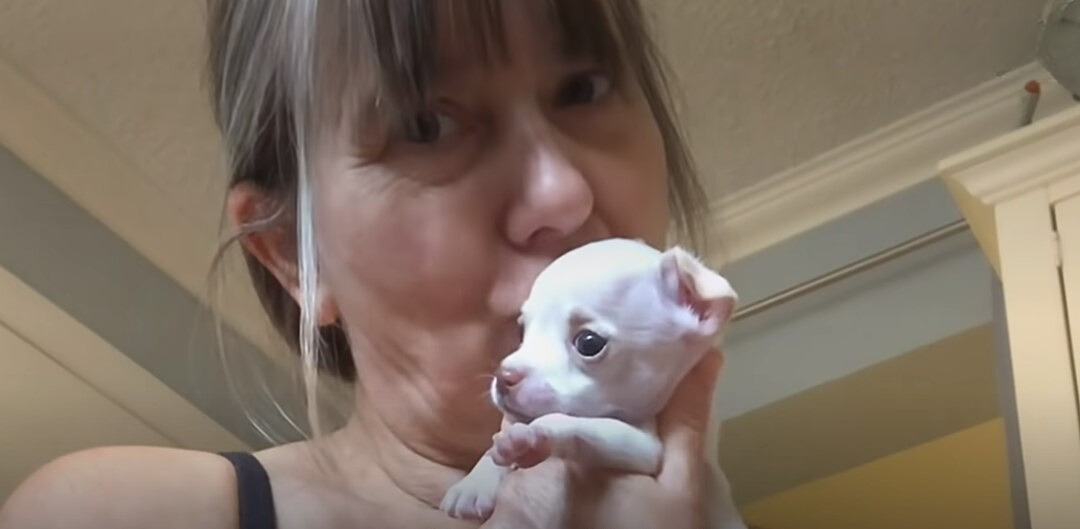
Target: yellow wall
<point>959,481</point>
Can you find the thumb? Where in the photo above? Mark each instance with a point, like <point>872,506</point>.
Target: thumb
<point>683,423</point>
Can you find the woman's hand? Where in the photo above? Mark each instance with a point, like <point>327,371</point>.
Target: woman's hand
<point>560,494</point>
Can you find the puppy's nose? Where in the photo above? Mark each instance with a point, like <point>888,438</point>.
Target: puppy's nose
<point>508,377</point>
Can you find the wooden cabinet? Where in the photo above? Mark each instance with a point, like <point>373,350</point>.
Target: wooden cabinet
<point>1021,196</point>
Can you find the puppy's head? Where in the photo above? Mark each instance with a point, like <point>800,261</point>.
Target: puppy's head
<point>610,329</point>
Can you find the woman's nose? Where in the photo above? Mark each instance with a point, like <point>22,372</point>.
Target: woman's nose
<point>554,199</point>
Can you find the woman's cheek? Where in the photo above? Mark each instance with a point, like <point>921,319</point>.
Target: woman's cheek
<point>418,254</point>
<point>631,187</point>
<point>653,180</point>
<point>630,175</point>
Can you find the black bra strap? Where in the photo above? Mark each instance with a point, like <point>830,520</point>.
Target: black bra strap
<point>253,488</point>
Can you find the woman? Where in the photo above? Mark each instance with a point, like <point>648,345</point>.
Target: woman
<point>401,171</point>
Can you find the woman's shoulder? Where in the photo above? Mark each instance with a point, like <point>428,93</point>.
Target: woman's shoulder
<point>120,487</point>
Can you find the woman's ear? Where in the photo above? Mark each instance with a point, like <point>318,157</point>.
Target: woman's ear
<point>699,288</point>
<point>274,244</point>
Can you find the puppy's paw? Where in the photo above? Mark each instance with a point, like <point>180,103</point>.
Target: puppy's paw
<point>472,498</point>
<point>521,445</point>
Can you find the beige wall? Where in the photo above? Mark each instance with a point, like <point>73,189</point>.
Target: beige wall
<point>62,389</point>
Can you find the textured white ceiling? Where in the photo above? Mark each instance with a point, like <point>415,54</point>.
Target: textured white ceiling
<point>768,83</point>
<point>131,70</point>
<point>772,83</point>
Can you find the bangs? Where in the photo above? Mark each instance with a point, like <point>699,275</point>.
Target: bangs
<point>388,49</point>
<point>285,72</point>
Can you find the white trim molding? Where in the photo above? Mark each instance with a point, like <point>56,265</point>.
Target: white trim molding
<point>1024,160</point>
<point>875,166</point>
<point>1044,157</point>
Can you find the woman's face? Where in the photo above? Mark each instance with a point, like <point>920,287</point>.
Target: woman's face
<point>428,244</point>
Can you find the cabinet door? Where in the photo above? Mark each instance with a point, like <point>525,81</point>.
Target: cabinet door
<point>1067,219</point>
<point>1039,361</point>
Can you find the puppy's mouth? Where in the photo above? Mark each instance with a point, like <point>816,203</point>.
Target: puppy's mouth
<point>512,413</point>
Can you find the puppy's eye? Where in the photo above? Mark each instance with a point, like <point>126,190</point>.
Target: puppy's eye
<point>589,344</point>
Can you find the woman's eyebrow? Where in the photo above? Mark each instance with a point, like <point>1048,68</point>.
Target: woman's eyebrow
<point>450,70</point>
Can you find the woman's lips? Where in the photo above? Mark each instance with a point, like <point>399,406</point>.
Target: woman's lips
<point>508,338</point>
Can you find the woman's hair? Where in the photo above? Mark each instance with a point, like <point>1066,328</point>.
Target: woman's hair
<point>281,70</point>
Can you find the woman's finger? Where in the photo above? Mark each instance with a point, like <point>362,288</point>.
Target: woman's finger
<point>533,498</point>
<point>683,423</point>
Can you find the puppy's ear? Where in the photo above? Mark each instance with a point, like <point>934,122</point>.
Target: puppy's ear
<point>706,293</point>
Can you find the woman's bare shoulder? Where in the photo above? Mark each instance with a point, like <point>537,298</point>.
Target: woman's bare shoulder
<point>121,487</point>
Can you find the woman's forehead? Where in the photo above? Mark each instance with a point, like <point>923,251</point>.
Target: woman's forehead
<point>525,34</point>
<point>385,56</point>
<point>409,43</point>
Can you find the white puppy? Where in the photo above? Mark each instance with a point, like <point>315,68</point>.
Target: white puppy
<point>610,329</point>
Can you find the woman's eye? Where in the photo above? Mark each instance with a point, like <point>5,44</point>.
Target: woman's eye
<point>584,89</point>
<point>589,344</point>
<point>429,127</point>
